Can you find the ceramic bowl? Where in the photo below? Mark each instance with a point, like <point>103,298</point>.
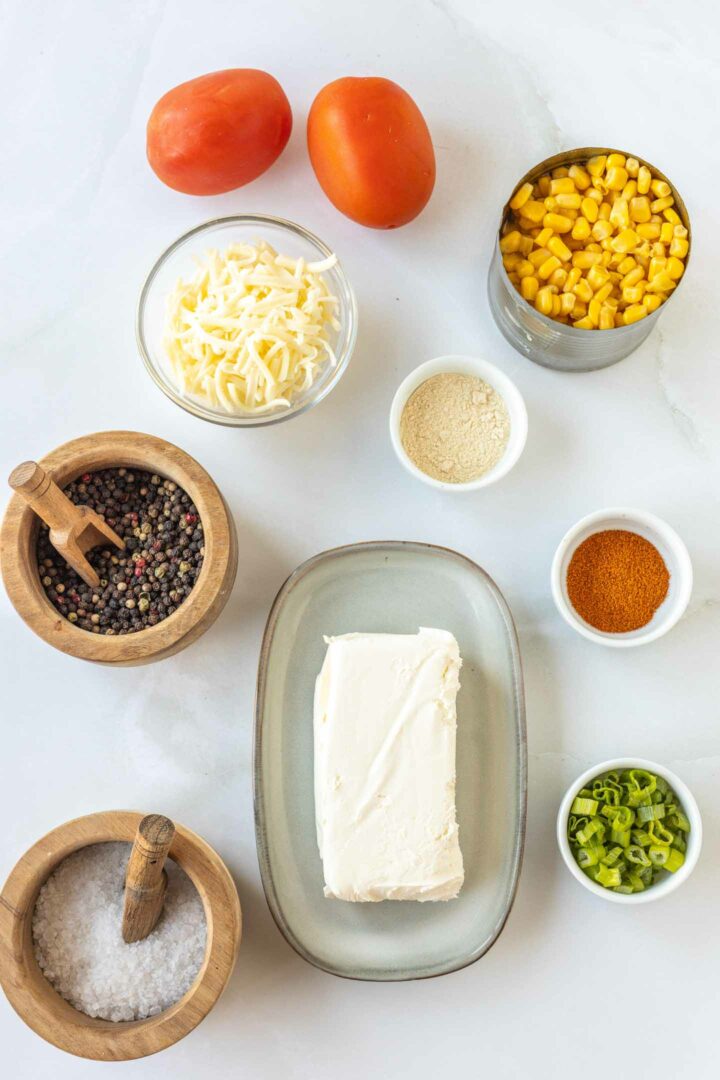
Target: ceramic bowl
<point>667,542</point>
<point>482,369</point>
<point>667,883</point>
<point>180,261</point>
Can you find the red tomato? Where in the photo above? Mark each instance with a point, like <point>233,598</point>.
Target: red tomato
<point>371,151</point>
<point>218,132</point>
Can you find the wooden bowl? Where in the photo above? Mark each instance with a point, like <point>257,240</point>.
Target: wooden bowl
<point>53,1018</point>
<point>116,449</point>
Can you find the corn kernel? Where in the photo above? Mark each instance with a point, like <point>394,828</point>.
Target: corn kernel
<point>648,230</point>
<point>558,223</point>
<point>679,230</point>
<point>569,202</point>
<point>526,245</point>
<point>594,311</point>
<point>634,294</point>
<point>558,172</point>
<point>580,310</point>
<point>512,277</point>
<point>604,211</point>
<point>632,277</point>
<point>548,267</point>
<point>655,266</point>
<point>558,277</point>
<point>601,230</point>
<point>542,237</point>
<point>533,210</point>
<point>510,242</point>
<point>583,290</point>
<point>581,229</point>
<point>559,248</point>
<point>512,261</point>
<point>616,177</point>
<point>556,307</point>
<point>544,186</point>
<point>579,176</point>
<point>590,209</point>
<point>521,196</point>
<point>679,247</point>
<point>544,300</point>
<point>659,188</point>
<point>524,269</point>
<point>586,259</point>
<point>632,165</point>
<point>538,257</point>
<point>602,294</point>
<point>597,277</point>
<point>572,279</point>
<point>606,255</point>
<point>595,194</point>
<point>630,190</point>
<point>550,204</point>
<point>643,180</point>
<point>661,204</point>
<point>567,303</point>
<point>627,264</point>
<point>529,287</point>
<point>651,301</point>
<point>563,186</point>
<point>640,208</point>
<point>675,268</point>
<point>666,232</point>
<point>658,250</point>
<point>584,324</point>
<point>634,313</point>
<point>625,241</point>
<point>607,318</point>
<point>614,161</point>
<point>596,165</point>
<point>619,214</point>
<point>672,216</point>
<point>661,282</point>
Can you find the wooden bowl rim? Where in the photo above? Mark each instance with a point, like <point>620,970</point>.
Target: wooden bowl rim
<point>53,1018</point>
<point>68,461</point>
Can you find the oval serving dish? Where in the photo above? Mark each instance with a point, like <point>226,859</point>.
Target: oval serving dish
<point>391,587</point>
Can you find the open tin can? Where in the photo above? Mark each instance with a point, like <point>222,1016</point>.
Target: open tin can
<point>554,344</point>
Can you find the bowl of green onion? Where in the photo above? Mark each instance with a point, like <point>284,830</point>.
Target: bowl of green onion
<point>629,830</point>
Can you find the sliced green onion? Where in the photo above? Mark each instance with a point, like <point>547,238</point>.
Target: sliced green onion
<point>658,855</point>
<point>638,816</point>
<point>587,807</point>
<point>675,860</point>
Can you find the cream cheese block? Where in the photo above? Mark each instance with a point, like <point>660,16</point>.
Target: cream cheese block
<point>385,728</point>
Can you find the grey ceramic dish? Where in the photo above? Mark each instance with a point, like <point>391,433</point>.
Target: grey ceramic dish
<point>391,587</point>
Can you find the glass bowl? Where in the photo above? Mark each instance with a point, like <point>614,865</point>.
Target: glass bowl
<point>180,259</point>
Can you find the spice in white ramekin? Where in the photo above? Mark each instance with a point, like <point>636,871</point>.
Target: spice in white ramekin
<point>77,933</point>
<point>455,427</point>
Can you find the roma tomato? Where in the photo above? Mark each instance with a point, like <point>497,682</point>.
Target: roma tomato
<point>219,131</point>
<point>371,151</point>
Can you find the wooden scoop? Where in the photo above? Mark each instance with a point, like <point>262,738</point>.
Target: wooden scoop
<point>145,879</point>
<point>74,530</point>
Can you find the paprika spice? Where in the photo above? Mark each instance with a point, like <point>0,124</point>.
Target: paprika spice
<point>617,580</point>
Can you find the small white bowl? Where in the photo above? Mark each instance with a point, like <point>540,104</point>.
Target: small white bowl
<point>664,885</point>
<point>667,542</point>
<point>505,387</point>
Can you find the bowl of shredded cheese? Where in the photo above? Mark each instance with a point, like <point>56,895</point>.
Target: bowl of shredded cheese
<point>246,320</point>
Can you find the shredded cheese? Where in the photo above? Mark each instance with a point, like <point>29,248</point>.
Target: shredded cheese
<point>251,329</point>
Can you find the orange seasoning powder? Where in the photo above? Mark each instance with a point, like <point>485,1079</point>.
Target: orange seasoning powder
<point>617,580</point>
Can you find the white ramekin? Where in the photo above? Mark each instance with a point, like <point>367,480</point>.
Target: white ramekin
<point>666,884</point>
<point>667,542</point>
<point>505,387</point>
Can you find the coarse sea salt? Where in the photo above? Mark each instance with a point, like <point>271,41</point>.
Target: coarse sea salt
<point>77,933</point>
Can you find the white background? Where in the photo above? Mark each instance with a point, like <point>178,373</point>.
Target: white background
<point>574,985</point>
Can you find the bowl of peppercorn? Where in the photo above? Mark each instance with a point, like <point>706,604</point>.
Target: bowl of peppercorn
<point>156,594</point>
<point>621,577</point>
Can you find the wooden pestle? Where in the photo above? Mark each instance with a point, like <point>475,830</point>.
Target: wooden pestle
<point>145,878</point>
<point>74,530</point>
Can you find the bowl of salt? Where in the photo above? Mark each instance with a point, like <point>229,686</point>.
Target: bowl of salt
<point>106,954</point>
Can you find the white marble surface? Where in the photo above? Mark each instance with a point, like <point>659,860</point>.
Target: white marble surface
<point>502,86</point>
